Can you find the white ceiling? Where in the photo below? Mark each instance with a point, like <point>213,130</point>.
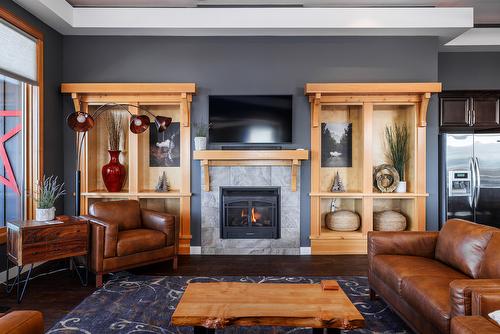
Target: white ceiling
<point>485,11</point>
<point>446,19</point>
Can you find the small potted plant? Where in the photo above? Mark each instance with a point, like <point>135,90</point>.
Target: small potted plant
<point>45,195</point>
<point>200,139</point>
<point>398,139</point>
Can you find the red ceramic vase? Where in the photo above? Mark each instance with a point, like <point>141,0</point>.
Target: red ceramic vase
<point>114,173</point>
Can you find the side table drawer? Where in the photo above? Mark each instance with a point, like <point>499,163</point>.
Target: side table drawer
<point>66,233</point>
<point>55,233</point>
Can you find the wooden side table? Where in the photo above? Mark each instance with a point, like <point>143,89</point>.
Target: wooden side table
<point>32,241</point>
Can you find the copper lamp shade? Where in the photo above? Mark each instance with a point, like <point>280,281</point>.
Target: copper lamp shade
<point>139,123</point>
<point>162,122</point>
<point>80,121</point>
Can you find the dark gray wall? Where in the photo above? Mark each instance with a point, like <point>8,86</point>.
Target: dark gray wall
<point>469,70</point>
<point>253,65</point>
<point>53,120</point>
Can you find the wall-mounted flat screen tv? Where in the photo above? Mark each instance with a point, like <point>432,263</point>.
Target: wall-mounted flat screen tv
<point>252,119</point>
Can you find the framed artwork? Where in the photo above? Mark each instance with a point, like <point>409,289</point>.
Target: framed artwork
<point>165,147</point>
<point>336,144</point>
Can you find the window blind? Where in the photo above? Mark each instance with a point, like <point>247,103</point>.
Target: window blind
<point>17,53</point>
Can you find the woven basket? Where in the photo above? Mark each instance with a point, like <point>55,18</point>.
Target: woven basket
<point>389,221</point>
<point>342,221</point>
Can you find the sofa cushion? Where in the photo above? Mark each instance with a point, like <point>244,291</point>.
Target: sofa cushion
<point>127,214</point>
<point>461,244</point>
<point>139,240</point>
<point>490,266</point>
<point>393,268</point>
<point>430,297</point>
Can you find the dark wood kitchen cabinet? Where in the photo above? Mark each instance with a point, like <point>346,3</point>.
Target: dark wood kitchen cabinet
<point>469,110</point>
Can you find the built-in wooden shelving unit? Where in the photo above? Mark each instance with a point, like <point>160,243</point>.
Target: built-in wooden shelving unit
<point>369,107</point>
<point>163,99</point>
<point>290,158</point>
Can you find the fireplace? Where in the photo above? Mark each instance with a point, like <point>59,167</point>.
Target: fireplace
<point>250,213</point>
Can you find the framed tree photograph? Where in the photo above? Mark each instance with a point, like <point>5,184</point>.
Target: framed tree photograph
<point>336,144</point>
<point>165,147</point>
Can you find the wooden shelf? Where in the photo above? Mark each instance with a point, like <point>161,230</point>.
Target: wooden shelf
<point>326,233</point>
<point>337,195</point>
<point>369,108</point>
<point>397,195</point>
<point>361,195</point>
<point>141,194</point>
<point>161,99</point>
<point>291,158</point>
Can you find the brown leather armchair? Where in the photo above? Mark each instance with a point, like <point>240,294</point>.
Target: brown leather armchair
<point>125,236</point>
<point>484,301</point>
<point>428,277</point>
<point>22,322</point>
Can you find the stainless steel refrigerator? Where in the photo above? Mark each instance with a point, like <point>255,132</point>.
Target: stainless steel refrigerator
<point>470,177</point>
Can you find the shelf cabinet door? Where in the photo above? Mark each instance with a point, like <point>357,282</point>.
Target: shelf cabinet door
<point>454,112</point>
<point>486,112</point>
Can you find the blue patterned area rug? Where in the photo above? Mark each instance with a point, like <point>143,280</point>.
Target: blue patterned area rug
<point>144,304</point>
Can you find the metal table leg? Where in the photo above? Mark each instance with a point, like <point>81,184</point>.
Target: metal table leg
<point>26,281</point>
<point>77,269</point>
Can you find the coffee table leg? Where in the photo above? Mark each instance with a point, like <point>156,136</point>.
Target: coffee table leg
<point>203,330</point>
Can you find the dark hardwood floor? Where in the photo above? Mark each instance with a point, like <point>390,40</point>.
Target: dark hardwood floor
<point>59,291</point>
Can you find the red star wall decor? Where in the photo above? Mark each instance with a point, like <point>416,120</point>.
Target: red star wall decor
<point>10,180</point>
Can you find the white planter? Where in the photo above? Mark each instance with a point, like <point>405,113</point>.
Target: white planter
<point>45,214</point>
<point>200,143</point>
<point>401,188</point>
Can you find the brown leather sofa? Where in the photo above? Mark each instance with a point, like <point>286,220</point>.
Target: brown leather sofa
<point>427,277</point>
<point>483,302</point>
<point>22,322</point>
<point>124,236</point>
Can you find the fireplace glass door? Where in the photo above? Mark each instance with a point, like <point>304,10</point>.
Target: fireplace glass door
<point>250,215</point>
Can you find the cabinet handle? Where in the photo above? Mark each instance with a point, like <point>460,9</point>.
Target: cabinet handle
<point>473,116</point>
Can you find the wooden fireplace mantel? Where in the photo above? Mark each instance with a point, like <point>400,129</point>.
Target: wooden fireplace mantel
<point>291,158</point>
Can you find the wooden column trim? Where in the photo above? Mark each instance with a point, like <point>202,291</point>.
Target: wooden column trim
<point>422,115</point>
<point>295,167</point>
<point>76,101</point>
<point>185,112</point>
<point>206,175</point>
<point>315,105</point>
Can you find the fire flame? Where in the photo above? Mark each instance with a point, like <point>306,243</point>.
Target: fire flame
<point>255,215</point>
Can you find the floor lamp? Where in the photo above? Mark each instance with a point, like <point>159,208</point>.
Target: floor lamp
<point>81,122</point>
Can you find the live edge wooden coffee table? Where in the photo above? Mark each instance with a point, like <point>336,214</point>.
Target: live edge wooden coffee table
<point>208,306</point>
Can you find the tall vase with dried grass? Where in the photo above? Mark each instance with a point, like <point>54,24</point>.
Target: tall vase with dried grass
<point>114,173</point>
<point>398,140</point>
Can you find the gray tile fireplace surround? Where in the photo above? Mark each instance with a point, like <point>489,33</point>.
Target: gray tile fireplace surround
<point>249,176</point>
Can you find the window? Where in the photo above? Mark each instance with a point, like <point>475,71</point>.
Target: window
<point>20,115</point>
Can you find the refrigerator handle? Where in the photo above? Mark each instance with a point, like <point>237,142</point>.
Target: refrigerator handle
<point>472,195</point>
<point>478,182</point>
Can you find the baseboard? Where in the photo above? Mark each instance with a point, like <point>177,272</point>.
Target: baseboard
<point>195,250</point>
<point>305,250</point>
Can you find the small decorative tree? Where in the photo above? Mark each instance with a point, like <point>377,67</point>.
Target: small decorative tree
<point>338,185</point>
<point>162,185</point>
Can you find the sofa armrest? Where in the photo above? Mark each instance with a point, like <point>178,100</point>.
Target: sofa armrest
<point>401,243</point>
<point>19,322</point>
<point>461,293</point>
<point>485,301</point>
<point>161,221</point>
<point>473,325</point>
<point>110,234</point>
